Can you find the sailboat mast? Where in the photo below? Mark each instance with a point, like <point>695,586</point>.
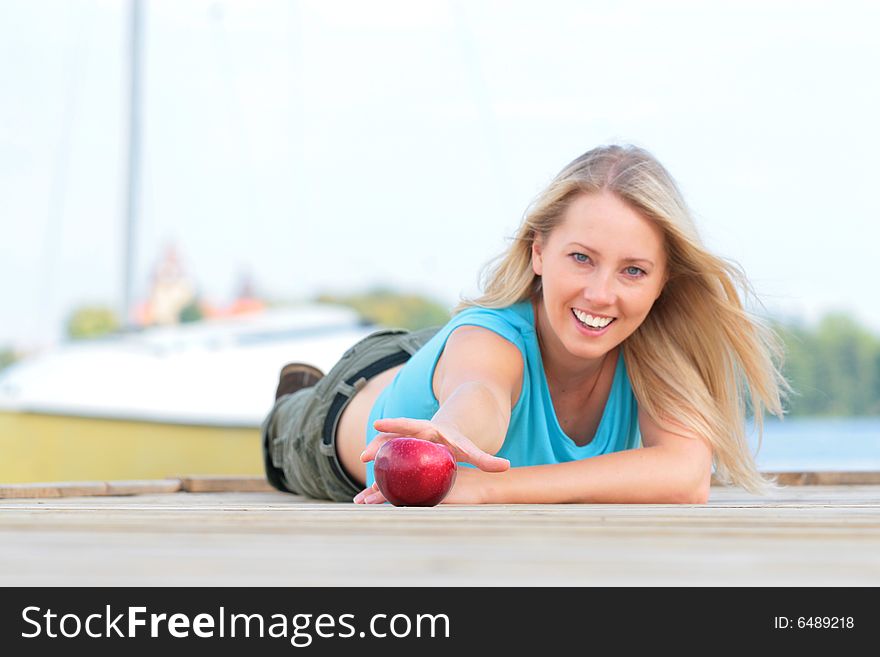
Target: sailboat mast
<point>134,151</point>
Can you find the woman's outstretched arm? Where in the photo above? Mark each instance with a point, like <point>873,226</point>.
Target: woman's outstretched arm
<point>477,381</point>
<point>671,468</point>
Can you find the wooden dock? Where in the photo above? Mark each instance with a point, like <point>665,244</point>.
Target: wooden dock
<point>822,535</point>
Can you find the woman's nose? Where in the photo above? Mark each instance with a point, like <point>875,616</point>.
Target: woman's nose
<point>600,290</point>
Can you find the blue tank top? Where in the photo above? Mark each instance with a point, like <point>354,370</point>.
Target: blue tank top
<point>534,436</point>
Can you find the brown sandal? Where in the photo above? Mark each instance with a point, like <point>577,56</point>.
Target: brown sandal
<point>296,376</point>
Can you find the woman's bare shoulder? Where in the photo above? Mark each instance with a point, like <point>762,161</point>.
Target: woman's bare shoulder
<point>475,353</point>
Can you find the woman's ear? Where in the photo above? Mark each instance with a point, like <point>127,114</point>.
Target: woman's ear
<point>537,255</point>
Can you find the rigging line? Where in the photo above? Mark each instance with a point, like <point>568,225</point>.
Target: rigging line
<point>235,110</point>
<point>57,191</point>
<point>480,93</point>
<point>296,198</point>
<point>133,173</point>
<point>297,125</point>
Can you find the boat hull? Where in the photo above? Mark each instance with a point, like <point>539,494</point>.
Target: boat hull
<point>41,447</point>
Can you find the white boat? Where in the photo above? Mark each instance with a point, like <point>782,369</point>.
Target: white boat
<point>166,401</point>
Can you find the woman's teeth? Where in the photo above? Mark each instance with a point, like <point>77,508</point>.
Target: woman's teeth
<point>592,322</point>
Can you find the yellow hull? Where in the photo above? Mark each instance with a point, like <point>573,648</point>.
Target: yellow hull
<point>36,447</point>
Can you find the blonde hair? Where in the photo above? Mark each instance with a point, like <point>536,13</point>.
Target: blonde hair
<point>699,358</point>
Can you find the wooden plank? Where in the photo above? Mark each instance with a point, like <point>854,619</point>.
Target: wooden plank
<point>821,478</point>
<point>829,478</point>
<point>802,535</point>
<point>144,487</point>
<point>215,484</point>
<point>252,484</point>
<point>49,490</point>
<point>53,489</point>
<point>189,484</point>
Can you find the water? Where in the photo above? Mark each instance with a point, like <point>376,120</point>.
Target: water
<point>820,444</point>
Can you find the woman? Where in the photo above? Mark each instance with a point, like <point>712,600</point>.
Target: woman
<point>610,359</point>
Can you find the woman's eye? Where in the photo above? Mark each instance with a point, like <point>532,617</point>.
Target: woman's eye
<point>634,271</point>
<point>580,257</point>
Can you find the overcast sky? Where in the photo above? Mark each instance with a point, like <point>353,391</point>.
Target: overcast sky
<point>325,145</point>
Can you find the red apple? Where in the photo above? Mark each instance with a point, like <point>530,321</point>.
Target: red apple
<point>414,472</point>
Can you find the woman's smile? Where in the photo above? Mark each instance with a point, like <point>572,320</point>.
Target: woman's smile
<point>591,325</point>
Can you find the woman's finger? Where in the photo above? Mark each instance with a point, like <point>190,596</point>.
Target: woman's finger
<point>467,451</point>
<point>483,460</point>
<point>359,498</point>
<point>375,498</point>
<point>405,425</point>
<point>462,448</point>
<point>490,463</point>
<point>370,452</point>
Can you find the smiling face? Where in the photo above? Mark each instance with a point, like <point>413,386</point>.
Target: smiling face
<point>601,270</point>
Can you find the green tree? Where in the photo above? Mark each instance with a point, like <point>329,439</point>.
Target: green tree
<point>192,312</point>
<point>386,307</point>
<point>91,321</point>
<point>7,358</point>
<point>833,367</point>
<point>849,353</point>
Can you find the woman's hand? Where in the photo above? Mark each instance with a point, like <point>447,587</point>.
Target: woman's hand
<point>469,488</point>
<point>463,450</point>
